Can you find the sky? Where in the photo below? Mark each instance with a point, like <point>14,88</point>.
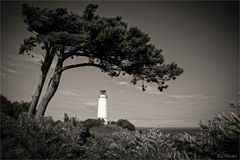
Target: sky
<point>201,37</point>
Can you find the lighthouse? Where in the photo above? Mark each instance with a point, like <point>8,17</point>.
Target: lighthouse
<point>102,106</point>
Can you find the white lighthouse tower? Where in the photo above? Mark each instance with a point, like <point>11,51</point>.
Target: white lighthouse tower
<point>102,106</point>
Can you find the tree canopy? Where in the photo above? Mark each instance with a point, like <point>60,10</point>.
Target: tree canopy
<point>107,42</point>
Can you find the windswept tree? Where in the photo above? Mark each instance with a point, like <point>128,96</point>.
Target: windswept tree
<point>44,24</point>
<point>106,43</point>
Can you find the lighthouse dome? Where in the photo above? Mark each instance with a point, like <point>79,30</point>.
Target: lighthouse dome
<point>102,94</point>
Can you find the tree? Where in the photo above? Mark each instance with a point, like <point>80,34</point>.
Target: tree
<point>43,23</point>
<point>107,43</point>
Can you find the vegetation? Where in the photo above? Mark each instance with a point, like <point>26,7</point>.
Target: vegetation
<point>126,124</point>
<point>105,43</point>
<point>13,109</point>
<point>28,138</point>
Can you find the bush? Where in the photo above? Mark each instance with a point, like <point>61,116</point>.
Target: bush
<point>236,104</point>
<point>48,139</point>
<point>41,138</point>
<point>218,138</point>
<point>132,145</point>
<point>89,123</point>
<point>126,124</point>
<point>13,109</point>
<point>112,123</point>
<point>26,138</point>
<point>221,135</point>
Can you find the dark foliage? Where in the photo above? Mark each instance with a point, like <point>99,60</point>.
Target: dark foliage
<point>126,124</point>
<point>89,123</point>
<point>27,138</point>
<point>108,43</point>
<point>113,123</point>
<point>40,138</point>
<point>23,137</point>
<point>13,109</point>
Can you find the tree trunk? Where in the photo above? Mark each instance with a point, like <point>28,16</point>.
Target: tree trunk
<point>38,91</point>
<point>51,90</point>
<point>43,74</point>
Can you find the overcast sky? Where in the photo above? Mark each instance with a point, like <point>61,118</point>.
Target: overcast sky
<point>202,37</point>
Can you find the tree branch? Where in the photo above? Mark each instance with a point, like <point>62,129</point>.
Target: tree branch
<point>83,65</point>
<point>68,54</point>
<point>36,33</point>
<point>78,51</point>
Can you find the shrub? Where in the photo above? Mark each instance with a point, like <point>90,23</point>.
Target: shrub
<point>13,109</point>
<point>28,138</point>
<point>218,138</point>
<point>42,138</point>
<point>132,145</point>
<point>221,135</point>
<point>73,120</point>
<point>112,123</point>
<point>186,146</point>
<point>126,124</point>
<point>235,104</point>
<point>48,139</point>
<point>89,123</point>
